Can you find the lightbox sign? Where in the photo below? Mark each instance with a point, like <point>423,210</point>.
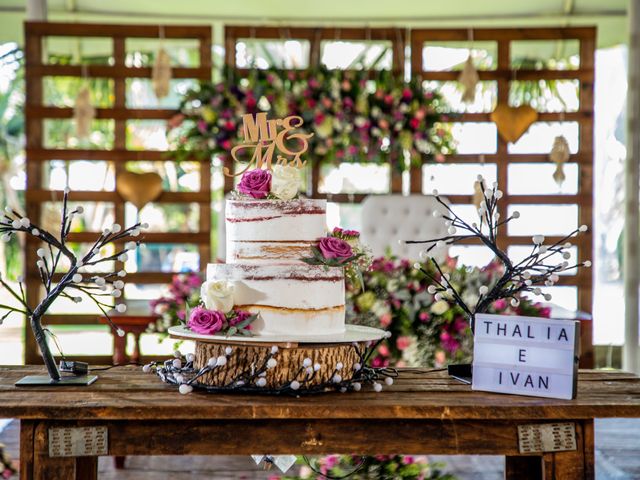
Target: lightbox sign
<point>526,356</point>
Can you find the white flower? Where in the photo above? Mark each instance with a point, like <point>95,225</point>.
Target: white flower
<point>285,181</point>
<point>440,307</point>
<point>217,295</point>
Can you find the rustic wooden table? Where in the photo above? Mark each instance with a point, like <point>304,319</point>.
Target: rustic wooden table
<point>424,412</point>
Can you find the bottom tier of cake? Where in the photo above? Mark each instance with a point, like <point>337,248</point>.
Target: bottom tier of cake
<point>291,299</point>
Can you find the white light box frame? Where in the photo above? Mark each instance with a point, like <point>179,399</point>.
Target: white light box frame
<point>526,356</point>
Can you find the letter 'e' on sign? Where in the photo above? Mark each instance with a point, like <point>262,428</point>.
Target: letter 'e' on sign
<point>526,356</point>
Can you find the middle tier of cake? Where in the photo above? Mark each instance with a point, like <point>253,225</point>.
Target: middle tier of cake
<point>294,299</point>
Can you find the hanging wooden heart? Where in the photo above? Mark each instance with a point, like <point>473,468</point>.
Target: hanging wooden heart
<point>139,188</point>
<point>513,122</point>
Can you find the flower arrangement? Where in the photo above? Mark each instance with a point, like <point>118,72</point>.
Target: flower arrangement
<point>7,467</point>
<point>399,467</point>
<point>353,118</point>
<point>425,330</point>
<point>183,293</point>
<point>342,248</point>
<point>206,308</point>
<point>216,313</point>
<point>280,183</point>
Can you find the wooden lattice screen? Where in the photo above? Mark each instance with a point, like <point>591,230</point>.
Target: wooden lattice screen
<point>504,74</point>
<point>37,154</point>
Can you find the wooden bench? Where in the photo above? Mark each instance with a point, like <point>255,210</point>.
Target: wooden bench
<point>424,412</point>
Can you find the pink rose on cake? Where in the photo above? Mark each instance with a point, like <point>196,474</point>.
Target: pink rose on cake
<point>255,183</point>
<point>332,247</point>
<point>217,295</point>
<point>206,322</point>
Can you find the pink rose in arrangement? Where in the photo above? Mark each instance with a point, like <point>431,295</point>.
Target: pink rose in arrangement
<point>255,183</point>
<point>385,320</point>
<point>332,247</point>
<point>205,321</point>
<point>241,316</point>
<point>403,342</point>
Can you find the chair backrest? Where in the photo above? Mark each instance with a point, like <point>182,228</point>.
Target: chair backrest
<point>387,219</point>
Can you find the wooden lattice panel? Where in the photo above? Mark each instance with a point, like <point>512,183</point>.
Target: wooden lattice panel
<point>37,154</point>
<point>502,158</point>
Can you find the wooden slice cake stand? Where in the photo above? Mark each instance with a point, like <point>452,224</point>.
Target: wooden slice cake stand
<point>282,360</point>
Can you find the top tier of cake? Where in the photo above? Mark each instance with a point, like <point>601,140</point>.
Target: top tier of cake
<point>273,231</point>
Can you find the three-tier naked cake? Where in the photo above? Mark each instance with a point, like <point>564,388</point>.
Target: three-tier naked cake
<point>266,240</point>
<point>272,317</point>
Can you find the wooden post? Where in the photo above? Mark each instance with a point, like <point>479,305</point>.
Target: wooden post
<point>632,180</point>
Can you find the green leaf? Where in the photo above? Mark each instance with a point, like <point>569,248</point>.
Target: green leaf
<point>232,331</point>
<point>360,279</point>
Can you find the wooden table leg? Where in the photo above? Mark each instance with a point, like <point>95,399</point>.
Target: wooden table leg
<point>36,464</point>
<point>119,349</point>
<point>27,430</point>
<point>523,467</point>
<point>578,464</point>
<point>86,468</point>
<point>135,356</point>
<point>46,467</point>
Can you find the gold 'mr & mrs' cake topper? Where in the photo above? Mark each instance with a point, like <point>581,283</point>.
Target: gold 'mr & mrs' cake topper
<point>267,137</point>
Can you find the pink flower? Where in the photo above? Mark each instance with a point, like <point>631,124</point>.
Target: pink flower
<point>383,350</point>
<point>332,247</point>
<point>500,304</point>
<point>385,320</point>
<point>424,317</point>
<point>448,342</point>
<point>331,461</point>
<point>380,362</point>
<point>406,94</point>
<point>241,316</point>
<point>206,321</point>
<point>175,121</point>
<point>255,183</point>
<point>408,460</point>
<point>202,126</point>
<point>403,342</point>
<point>414,123</point>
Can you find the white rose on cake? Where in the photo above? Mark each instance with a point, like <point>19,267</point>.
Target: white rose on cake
<point>285,182</point>
<point>217,295</point>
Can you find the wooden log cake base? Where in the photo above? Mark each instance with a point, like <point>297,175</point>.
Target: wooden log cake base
<point>309,364</point>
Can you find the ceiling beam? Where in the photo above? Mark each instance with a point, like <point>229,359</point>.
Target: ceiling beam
<point>387,19</point>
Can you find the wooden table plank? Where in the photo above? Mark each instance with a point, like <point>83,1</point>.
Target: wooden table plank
<point>126,393</point>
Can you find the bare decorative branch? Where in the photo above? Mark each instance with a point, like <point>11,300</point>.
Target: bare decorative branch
<point>57,284</point>
<point>540,268</point>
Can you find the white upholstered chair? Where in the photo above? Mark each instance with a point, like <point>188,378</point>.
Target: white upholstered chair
<point>386,219</point>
